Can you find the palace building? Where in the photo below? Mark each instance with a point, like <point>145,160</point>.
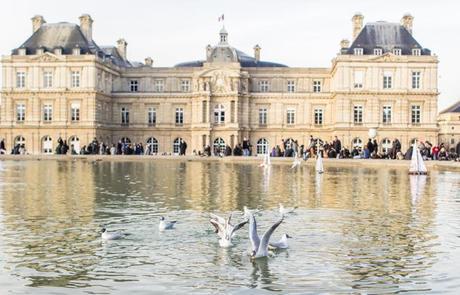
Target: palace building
<point>61,84</point>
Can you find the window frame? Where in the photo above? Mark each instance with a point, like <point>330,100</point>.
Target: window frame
<point>318,116</point>
<point>124,110</point>
<point>47,113</point>
<point>75,79</point>
<point>317,86</point>
<point>387,116</point>
<point>290,116</point>
<point>358,114</point>
<point>20,112</point>
<point>20,79</point>
<point>133,85</point>
<point>179,116</point>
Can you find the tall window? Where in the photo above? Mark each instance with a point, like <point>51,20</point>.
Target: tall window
<point>358,51</point>
<point>219,145</point>
<point>359,79</point>
<point>397,51</point>
<point>176,145</point>
<point>358,114</point>
<point>159,85</point>
<point>416,51</point>
<point>185,85</point>
<point>219,114</point>
<point>47,113</point>
<point>316,86</point>
<point>20,112</point>
<point>152,145</point>
<point>263,114</point>
<point>75,112</point>
<point>415,114</point>
<point>124,115</point>
<point>386,115</point>
<point>291,86</point>
<point>387,80</point>
<point>386,145</point>
<point>318,116</point>
<point>152,116</point>
<point>47,79</point>
<point>20,80</point>
<point>290,117</point>
<point>179,116</point>
<point>262,146</point>
<point>416,80</point>
<point>133,85</point>
<point>263,86</point>
<point>75,79</point>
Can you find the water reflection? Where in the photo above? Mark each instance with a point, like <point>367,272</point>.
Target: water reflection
<point>356,229</point>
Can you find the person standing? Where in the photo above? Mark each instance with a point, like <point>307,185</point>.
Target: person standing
<point>2,147</point>
<point>245,147</point>
<point>337,145</point>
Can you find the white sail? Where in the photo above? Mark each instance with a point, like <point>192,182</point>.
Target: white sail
<point>417,166</point>
<point>319,163</point>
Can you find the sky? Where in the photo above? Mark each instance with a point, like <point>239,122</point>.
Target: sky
<point>293,32</point>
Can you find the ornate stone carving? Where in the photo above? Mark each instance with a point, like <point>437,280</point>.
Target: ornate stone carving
<point>46,57</point>
<point>220,82</point>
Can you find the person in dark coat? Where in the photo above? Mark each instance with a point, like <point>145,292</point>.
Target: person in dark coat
<point>337,145</point>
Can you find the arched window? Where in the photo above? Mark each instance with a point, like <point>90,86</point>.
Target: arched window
<point>47,145</point>
<point>126,140</point>
<point>74,142</point>
<point>176,145</point>
<point>219,145</point>
<point>152,146</point>
<point>219,114</point>
<point>262,146</point>
<point>386,145</point>
<point>20,140</point>
<point>357,142</point>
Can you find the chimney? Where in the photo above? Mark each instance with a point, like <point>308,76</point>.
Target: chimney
<point>86,26</point>
<point>121,47</point>
<point>257,52</point>
<point>148,61</point>
<point>357,22</point>
<point>208,52</point>
<point>407,21</point>
<point>37,22</point>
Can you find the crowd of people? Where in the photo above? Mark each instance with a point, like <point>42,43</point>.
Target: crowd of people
<point>287,148</point>
<point>334,149</point>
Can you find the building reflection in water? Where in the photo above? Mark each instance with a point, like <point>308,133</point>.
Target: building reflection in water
<point>377,224</point>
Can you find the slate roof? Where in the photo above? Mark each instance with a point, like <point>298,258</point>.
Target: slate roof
<point>64,35</point>
<point>386,36</point>
<point>455,108</point>
<point>245,60</point>
<point>67,36</point>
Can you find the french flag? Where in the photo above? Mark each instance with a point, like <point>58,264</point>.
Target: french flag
<point>221,18</point>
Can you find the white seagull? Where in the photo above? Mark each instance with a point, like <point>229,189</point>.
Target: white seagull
<point>281,244</point>
<point>164,225</point>
<point>260,246</point>
<point>105,235</point>
<point>224,229</point>
<point>284,211</point>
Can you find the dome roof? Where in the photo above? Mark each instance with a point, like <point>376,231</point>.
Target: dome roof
<point>245,61</point>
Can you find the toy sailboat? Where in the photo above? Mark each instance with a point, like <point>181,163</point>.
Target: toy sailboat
<point>319,163</point>
<point>417,166</point>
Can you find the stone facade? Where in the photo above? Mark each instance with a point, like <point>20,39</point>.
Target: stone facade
<point>74,89</point>
<point>449,127</point>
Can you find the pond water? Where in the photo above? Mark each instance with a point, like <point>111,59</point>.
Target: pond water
<point>356,230</point>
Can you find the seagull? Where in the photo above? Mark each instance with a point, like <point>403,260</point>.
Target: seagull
<point>281,244</point>
<point>105,235</point>
<point>224,229</point>
<point>164,225</point>
<point>284,211</point>
<point>260,246</point>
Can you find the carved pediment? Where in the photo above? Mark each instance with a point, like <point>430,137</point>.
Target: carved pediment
<point>46,57</point>
<point>387,57</point>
